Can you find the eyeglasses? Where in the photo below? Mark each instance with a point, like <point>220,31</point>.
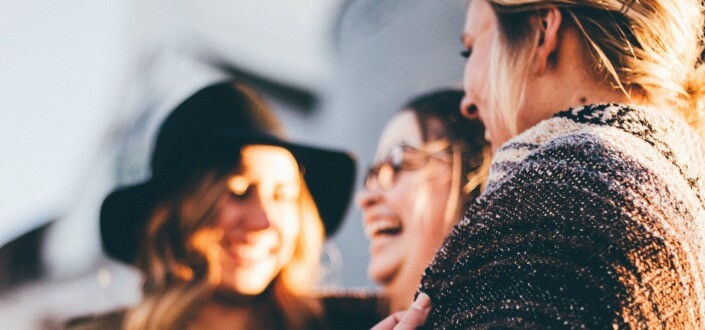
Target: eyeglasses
<point>403,157</point>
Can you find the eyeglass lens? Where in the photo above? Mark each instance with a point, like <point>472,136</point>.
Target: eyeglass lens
<point>401,157</point>
<point>382,175</point>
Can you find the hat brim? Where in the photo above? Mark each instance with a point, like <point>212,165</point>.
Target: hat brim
<point>328,174</point>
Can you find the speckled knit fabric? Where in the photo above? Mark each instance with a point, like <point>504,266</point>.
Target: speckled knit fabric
<point>594,218</point>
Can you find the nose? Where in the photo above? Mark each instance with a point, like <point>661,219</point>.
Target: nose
<point>257,215</point>
<point>367,198</point>
<point>468,108</point>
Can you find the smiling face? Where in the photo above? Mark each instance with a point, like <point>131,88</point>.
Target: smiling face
<point>257,223</point>
<point>405,221</point>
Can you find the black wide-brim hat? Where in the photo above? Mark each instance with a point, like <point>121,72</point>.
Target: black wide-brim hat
<point>208,129</point>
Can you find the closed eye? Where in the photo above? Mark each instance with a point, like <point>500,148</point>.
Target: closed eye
<point>239,187</point>
<point>242,194</point>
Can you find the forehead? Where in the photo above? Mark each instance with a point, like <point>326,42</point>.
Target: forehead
<point>403,127</point>
<point>480,19</point>
<point>268,162</point>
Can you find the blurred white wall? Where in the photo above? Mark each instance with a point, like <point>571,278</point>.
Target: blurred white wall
<point>62,64</point>
<point>285,41</point>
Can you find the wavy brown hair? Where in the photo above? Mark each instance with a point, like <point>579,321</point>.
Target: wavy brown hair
<point>176,272</point>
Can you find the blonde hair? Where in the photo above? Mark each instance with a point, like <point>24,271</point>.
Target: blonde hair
<point>176,273</point>
<point>649,48</point>
<point>469,172</point>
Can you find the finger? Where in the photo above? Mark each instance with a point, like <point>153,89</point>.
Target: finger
<point>389,322</point>
<point>417,314</point>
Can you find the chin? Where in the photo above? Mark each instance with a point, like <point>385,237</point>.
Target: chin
<point>374,275</point>
<point>380,272</point>
<point>246,287</point>
<point>248,282</point>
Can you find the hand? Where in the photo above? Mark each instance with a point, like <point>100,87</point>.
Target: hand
<point>409,319</point>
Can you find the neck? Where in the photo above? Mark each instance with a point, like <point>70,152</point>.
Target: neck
<point>217,315</point>
<point>230,298</point>
<point>229,310</point>
<point>400,295</point>
<point>568,82</point>
<point>401,289</point>
<point>586,96</point>
<point>588,91</point>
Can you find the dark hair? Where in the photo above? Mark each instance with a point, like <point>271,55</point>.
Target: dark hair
<point>444,105</point>
<point>465,134</point>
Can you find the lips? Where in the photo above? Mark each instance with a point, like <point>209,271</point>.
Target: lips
<point>249,254</point>
<point>383,226</point>
<point>382,231</point>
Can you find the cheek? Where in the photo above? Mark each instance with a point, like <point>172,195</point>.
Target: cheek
<point>290,232</point>
<point>439,191</point>
<point>404,195</point>
<point>430,225</point>
<point>470,83</point>
<point>429,200</point>
<point>475,77</point>
<point>288,225</point>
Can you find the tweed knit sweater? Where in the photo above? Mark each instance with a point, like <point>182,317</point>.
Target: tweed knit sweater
<point>594,218</point>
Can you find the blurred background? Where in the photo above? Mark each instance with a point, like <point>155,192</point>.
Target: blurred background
<point>85,84</point>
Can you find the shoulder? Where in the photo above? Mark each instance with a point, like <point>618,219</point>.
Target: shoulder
<point>557,142</point>
<point>615,140</point>
<point>623,169</point>
<point>573,177</point>
<point>582,159</point>
<point>353,309</point>
<point>571,227</point>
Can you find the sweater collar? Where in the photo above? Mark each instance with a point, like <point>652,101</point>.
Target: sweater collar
<point>630,119</point>
<point>663,130</point>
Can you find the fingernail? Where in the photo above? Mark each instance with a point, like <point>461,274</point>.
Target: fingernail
<point>422,302</point>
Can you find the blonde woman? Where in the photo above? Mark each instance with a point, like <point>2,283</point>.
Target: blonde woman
<point>430,165</point>
<point>228,229</point>
<point>593,214</point>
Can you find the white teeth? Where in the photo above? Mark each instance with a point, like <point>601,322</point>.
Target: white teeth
<point>251,252</point>
<point>375,227</point>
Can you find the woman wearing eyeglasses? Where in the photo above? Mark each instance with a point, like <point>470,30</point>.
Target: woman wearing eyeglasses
<point>430,163</point>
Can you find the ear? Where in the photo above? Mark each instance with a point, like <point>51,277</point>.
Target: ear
<point>549,23</point>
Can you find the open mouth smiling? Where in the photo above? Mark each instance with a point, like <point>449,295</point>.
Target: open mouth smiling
<point>383,227</point>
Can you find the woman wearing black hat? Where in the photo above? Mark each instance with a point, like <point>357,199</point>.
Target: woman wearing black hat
<point>229,228</point>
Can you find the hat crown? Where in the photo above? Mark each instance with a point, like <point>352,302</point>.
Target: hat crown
<point>223,108</point>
